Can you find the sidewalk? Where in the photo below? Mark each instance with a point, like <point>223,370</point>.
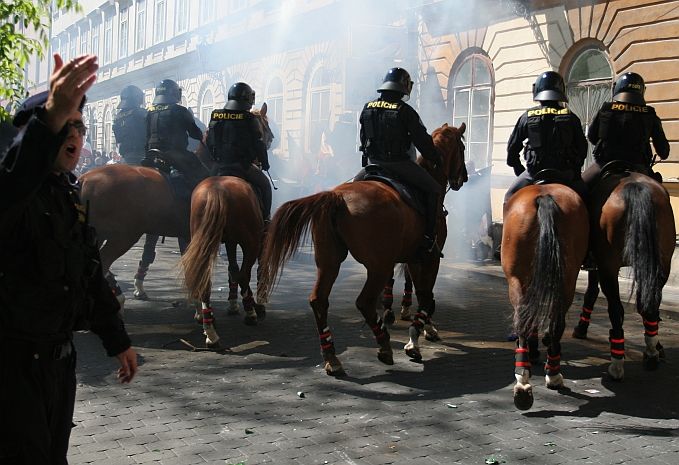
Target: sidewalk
<point>669,305</point>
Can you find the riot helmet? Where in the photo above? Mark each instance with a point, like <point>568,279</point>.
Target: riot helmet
<point>397,80</point>
<point>240,97</point>
<point>167,91</point>
<point>549,87</point>
<point>630,88</point>
<point>131,97</point>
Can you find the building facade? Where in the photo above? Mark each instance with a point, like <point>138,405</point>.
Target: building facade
<point>315,62</point>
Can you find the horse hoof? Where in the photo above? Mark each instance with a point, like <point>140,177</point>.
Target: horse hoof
<point>414,353</point>
<point>234,308</point>
<point>385,357</point>
<point>406,314</point>
<point>213,345</point>
<point>650,363</point>
<point>580,332</point>
<point>260,310</point>
<point>334,369</point>
<point>432,336</point>
<point>389,317</point>
<point>616,370</point>
<point>523,399</point>
<point>554,382</point>
<point>250,320</point>
<point>140,295</point>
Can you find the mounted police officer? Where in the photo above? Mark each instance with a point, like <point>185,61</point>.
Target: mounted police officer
<point>551,137</point>
<point>129,125</point>
<point>168,128</point>
<point>622,128</point>
<point>389,128</point>
<point>235,141</point>
<point>51,282</point>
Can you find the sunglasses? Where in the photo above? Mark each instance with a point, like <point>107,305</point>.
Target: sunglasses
<point>78,126</point>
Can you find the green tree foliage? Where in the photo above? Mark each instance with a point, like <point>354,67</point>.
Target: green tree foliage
<point>24,33</point>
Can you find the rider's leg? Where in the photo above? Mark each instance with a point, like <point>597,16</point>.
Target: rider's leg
<point>257,178</point>
<point>523,180</point>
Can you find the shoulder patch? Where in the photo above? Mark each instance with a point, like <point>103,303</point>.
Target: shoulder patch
<point>548,111</point>
<point>618,106</point>
<point>383,104</point>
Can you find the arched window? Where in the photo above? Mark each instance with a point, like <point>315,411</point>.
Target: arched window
<point>471,95</point>
<point>274,100</point>
<point>109,142</point>
<point>207,104</point>
<point>588,86</point>
<point>318,107</point>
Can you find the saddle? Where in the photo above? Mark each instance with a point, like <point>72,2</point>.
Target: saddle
<point>623,168</point>
<point>179,185</point>
<point>409,194</point>
<point>551,176</point>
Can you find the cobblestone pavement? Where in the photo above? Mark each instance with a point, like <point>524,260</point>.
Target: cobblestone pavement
<point>268,400</point>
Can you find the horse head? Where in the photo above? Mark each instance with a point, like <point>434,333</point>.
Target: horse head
<point>449,141</point>
<point>263,120</point>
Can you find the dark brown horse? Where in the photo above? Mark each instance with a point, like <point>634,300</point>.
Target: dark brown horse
<point>544,240</point>
<point>128,201</point>
<point>370,220</point>
<point>632,225</point>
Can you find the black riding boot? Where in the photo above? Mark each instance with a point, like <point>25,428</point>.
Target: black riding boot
<point>429,244</point>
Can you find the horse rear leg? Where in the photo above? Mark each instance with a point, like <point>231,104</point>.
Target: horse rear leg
<point>407,299</point>
<point>244,276</point>
<point>523,391</point>
<point>113,248</point>
<point>616,314</point>
<point>591,294</point>
<point>388,301</point>
<point>367,304</point>
<point>553,376</point>
<point>148,256</point>
<point>234,306</point>
<point>327,271</point>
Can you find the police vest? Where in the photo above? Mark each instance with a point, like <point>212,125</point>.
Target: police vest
<point>550,139</point>
<point>383,136</point>
<point>165,127</point>
<point>624,132</point>
<point>129,128</point>
<point>230,136</point>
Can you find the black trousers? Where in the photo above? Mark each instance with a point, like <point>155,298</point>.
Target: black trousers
<point>37,397</point>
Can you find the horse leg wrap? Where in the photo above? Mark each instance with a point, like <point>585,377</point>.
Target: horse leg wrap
<point>142,269</point>
<point>553,364</point>
<point>617,347</point>
<point>421,318</point>
<point>521,361</point>
<point>233,290</point>
<point>380,331</point>
<point>585,316</point>
<point>650,328</point>
<point>208,317</point>
<point>388,295</point>
<point>327,344</point>
<point>248,302</point>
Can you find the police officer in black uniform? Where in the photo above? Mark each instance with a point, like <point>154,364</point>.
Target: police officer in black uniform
<point>51,281</point>
<point>235,142</point>
<point>168,127</point>
<point>622,128</point>
<point>551,137</point>
<point>389,128</point>
<point>129,125</point>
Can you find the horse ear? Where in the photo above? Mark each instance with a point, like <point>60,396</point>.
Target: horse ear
<point>463,127</point>
<point>445,125</point>
<point>262,111</point>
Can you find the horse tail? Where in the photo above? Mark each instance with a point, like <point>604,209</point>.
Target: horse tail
<point>288,228</point>
<point>642,250</point>
<point>545,290</point>
<point>199,258</point>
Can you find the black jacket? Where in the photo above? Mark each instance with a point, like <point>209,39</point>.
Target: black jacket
<point>234,137</point>
<point>553,139</point>
<point>51,281</point>
<point>388,128</point>
<point>129,128</point>
<point>168,127</point>
<point>621,131</point>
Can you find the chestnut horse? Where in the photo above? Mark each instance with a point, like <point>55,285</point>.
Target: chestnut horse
<point>128,201</point>
<point>632,225</point>
<point>370,220</point>
<point>544,241</point>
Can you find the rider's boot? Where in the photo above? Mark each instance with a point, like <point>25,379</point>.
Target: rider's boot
<point>429,245</point>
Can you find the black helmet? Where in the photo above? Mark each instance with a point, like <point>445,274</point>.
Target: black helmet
<point>168,91</point>
<point>630,88</point>
<point>131,97</point>
<point>397,80</point>
<point>241,97</point>
<point>549,86</point>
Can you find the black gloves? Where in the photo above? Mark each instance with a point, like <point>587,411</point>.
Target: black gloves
<point>518,169</point>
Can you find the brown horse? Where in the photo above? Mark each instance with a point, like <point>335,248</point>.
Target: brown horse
<point>128,201</point>
<point>544,240</point>
<point>632,225</point>
<point>370,220</point>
